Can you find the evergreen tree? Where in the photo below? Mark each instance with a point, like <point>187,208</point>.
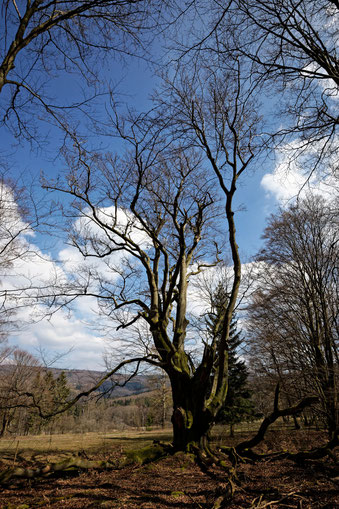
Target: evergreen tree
<point>238,405</point>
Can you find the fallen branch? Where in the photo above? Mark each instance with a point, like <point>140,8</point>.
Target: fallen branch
<point>293,410</point>
<point>142,456</point>
<point>262,504</point>
<point>70,464</point>
<point>244,450</point>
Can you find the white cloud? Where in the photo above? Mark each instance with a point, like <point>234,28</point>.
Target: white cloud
<point>67,330</point>
<point>328,86</point>
<point>283,184</point>
<point>60,334</point>
<point>121,220</point>
<point>33,268</point>
<point>99,240</point>
<point>11,223</point>
<point>289,180</point>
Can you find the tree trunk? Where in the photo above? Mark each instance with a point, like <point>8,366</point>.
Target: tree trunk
<point>163,407</point>
<point>4,424</point>
<point>190,419</point>
<point>189,427</point>
<point>331,405</point>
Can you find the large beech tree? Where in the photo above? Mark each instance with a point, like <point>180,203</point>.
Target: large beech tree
<point>154,218</point>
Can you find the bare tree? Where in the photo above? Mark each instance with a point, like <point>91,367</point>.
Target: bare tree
<point>42,39</point>
<point>289,47</point>
<point>161,398</point>
<point>152,218</point>
<point>16,376</point>
<point>147,219</point>
<point>294,314</point>
<point>25,386</point>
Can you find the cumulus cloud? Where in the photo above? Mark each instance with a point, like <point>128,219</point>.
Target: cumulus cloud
<point>282,184</point>
<point>58,333</point>
<point>62,334</point>
<point>288,179</point>
<point>63,330</point>
<point>96,241</point>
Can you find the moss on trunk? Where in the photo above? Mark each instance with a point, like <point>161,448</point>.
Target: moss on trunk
<point>147,454</point>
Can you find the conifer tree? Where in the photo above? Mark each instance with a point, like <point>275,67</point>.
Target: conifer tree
<point>238,405</point>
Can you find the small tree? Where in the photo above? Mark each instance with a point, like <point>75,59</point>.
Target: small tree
<point>52,394</point>
<point>161,397</point>
<point>16,379</point>
<point>238,405</point>
<point>25,388</point>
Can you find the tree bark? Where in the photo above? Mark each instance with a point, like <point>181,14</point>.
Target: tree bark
<point>192,419</point>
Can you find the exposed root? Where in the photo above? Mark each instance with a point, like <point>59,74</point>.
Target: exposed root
<point>227,491</point>
<point>207,459</point>
<point>220,501</point>
<point>234,457</point>
<point>75,463</point>
<point>261,503</point>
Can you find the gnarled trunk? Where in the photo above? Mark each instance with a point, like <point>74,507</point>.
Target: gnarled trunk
<point>191,420</point>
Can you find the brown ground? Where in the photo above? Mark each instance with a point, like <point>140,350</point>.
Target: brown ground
<point>176,482</point>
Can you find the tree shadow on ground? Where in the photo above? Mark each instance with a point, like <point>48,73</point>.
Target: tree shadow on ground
<point>177,482</point>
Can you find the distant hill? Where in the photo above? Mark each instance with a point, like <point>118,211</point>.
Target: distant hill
<point>82,380</point>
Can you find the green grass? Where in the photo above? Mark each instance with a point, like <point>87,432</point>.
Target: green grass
<point>73,442</point>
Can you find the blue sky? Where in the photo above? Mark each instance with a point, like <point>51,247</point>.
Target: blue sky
<point>260,193</point>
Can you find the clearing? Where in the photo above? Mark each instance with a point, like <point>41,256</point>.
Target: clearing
<point>174,482</point>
